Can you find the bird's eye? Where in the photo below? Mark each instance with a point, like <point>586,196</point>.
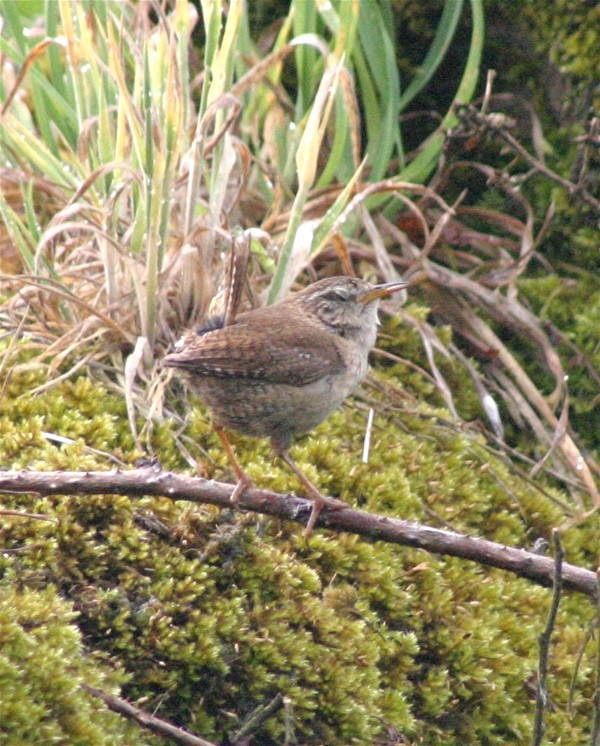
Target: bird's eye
<point>338,294</point>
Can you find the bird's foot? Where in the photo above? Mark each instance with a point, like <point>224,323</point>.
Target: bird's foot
<point>319,503</point>
<point>242,485</point>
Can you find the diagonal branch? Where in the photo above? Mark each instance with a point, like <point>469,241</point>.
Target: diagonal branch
<point>146,720</point>
<point>153,481</point>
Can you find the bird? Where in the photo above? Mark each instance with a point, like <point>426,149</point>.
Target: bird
<point>276,372</point>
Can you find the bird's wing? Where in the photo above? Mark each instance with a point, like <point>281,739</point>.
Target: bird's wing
<point>261,348</point>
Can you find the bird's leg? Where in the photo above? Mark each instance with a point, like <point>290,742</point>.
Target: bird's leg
<point>319,500</point>
<point>244,480</point>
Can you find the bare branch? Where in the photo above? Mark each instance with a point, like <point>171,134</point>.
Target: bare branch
<point>146,720</point>
<point>153,481</point>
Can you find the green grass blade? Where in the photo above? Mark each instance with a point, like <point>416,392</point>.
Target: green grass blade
<point>380,83</point>
<point>422,166</point>
<point>309,66</point>
<point>436,53</point>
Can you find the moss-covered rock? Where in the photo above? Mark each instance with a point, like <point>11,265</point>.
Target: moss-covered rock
<point>42,668</point>
<point>223,611</point>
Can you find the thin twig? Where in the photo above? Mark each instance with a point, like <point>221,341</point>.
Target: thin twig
<point>24,514</point>
<point>256,718</point>
<point>590,634</point>
<point>541,702</point>
<point>595,741</point>
<point>146,720</point>
<point>288,719</point>
<point>496,125</point>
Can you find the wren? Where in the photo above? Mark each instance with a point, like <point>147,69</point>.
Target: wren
<point>277,372</point>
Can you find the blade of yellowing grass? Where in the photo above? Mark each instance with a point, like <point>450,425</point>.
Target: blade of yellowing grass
<point>212,12</point>
<point>325,229</point>
<point>221,78</point>
<point>344,155</point>
<point>306,163</point>
<point>79,42</point>
<point>31,149</point>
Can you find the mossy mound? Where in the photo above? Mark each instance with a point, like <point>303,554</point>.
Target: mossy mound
<point>222,611</point>
<point>42,667</point>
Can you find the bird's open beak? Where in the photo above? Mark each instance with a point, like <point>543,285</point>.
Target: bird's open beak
<point>382,291</point>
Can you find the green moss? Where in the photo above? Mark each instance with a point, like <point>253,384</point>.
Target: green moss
<point>567,31</point>
<point>574,308</point>
<point>42,667</point>
<point>226,610</point>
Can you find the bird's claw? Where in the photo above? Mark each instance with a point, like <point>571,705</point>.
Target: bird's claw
<point>239,489</point>
<point>319,504</point>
